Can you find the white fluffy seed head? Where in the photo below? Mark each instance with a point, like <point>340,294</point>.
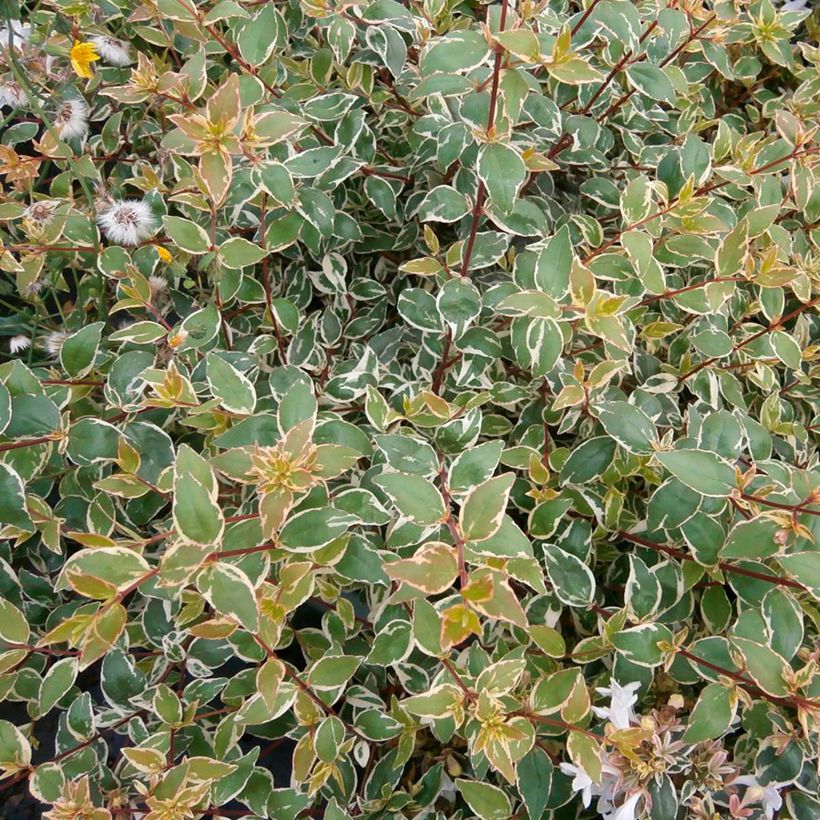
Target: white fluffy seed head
<point>72,118</point>
<point>19,343</point>
<point>40,213</point>
<point>33,288</point>
<point>112,50</point>
<point>12,95</point>
<point>158,285</point>
<point>127,222</point>
<point>53,343</point>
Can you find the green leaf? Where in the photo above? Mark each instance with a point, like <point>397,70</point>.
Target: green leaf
<point>392,644</point>
<point>15,750</point>
<point>503,172</point>
<point>408,454</point>
<point>535,781</point>
<point>239,253</point>
<point>732,251</point>
<point>229,591</point>
<point>13,500</point>
<point>458,303</point>
<point>629,426</point>
<point>297,406</point>
<point>58,680</point>
<point>310,530</point>
<point>554,264</point>
<point>333,671</point>
<point>588,461</point>
<point>79,350</point>
<point>117,566</point>
<point>414,497</point>
<point>753,539</point>
<point>483,509</point>
<point>712,715</point>
<point>703,471</point>
<point>186,235</point>
<point>570,577</point>
<point>457,51</point>
<point>13,624</point>
<point>764,666</point>
<point>443,204</point>
<point>474,466</point>
<point>575,72</point>
<point>232,388</point>
<point>486,800</point>
<point>197,515</point>
<point>432,569</point>
<point>5,407</point>
<point>641,644</point>
<point>651,81</point>
<point>537,344</point>
<point>803,567</point>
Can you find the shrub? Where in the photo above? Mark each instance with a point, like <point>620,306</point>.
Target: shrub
<point>409,409</point>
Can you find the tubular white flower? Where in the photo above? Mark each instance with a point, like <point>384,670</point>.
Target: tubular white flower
<point>768,795</point>
<point>72,118</point>
<point>626,811</point>
<point>112,50</point>
<point>12,95</point>
<point>581,781</point>
<point>17,344</point>
<point>127,222</point>
<point>622,698</point>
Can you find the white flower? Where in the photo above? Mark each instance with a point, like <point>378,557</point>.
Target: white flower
<point>581,781</point>
<point>768,795</point>
<point>626,811</point>
<point>17,344</point>
<point>794,5</point>
<point>20,34</point>
<point>111,49</point>
<point>622,698</point>
<point>12,94</point>
<point>53,343</point>
<point>127,222</point>
<point>72,118</point>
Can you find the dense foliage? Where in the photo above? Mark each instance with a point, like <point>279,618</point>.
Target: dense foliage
<point>410,409</point>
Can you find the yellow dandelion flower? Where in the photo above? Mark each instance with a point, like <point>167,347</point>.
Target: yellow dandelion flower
<point>82,55</point>
<point>163,253</point>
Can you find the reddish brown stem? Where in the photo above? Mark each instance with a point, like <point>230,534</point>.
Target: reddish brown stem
<point>746,683</point>
<point>26,442</point>
<point>723,565</point>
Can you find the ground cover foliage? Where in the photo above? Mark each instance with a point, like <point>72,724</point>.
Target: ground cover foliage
<point>420,395</point>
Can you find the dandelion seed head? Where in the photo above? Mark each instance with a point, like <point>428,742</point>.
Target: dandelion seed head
<point>158,285</point>
<point>112,50</point>
<point>41,212</point>
<point>19,343</point>
<point>72,118</point>
<point>53,343</point>
<point>32,288</point>
<point>127,222</point>
<point>12,95</point>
